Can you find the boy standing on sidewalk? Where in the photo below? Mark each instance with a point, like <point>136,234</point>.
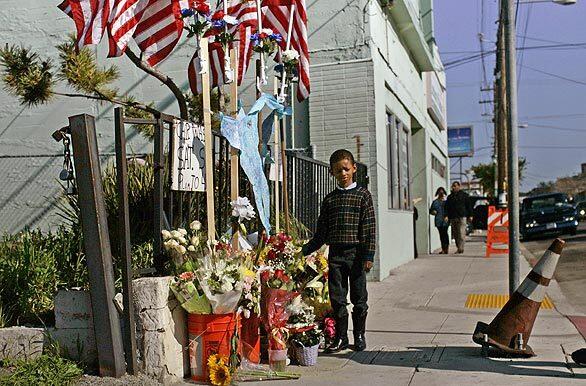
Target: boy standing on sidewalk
<point>347,224</point>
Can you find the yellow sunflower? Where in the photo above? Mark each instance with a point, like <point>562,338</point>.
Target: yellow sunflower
<point>220,375</point>
<point>216,360</point>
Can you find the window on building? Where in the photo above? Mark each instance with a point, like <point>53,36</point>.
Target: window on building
<point>399,164</point>
<point>438,166</point>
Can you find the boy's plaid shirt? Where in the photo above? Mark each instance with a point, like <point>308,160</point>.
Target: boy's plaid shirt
<point>346,218</point>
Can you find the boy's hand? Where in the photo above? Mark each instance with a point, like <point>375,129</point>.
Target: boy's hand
<point>367,266</point>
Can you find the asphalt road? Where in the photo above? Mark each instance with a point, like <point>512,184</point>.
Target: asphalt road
<point>571,269</point>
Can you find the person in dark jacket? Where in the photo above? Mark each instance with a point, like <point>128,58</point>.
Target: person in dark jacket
<point>458,210</point>
<point>438,209</point>
<point>347,224</point>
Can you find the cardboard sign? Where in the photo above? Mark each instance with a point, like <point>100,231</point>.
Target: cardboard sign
<point>188,163</point>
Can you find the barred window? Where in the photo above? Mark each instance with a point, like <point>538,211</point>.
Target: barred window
<point>399,164</point>
<point>438,166</point>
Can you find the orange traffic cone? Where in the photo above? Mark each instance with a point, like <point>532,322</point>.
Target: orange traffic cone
<point>511,328</point>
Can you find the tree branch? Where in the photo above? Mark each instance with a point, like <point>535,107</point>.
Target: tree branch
<point>137,105</point>
<point>166,80</point>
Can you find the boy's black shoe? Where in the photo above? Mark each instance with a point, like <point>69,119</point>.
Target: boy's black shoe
<point>338,345</point>
<point>359,322</point>
<point>359,342</point>
<point>579,356</point>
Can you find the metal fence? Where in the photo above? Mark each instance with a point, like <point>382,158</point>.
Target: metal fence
<point>308,180</point>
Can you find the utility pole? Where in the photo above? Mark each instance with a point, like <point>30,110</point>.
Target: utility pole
<point>508,19</point>
<point>501,118</point>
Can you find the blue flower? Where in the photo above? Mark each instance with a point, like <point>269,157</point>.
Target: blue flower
<point>276,37</point>
<point>218,23</point>
<point>187,12</point>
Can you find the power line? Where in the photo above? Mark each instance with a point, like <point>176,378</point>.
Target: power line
<point>521,51</point>
<point>556,75</point>
<point>472,58</point>
<point>557,128</point>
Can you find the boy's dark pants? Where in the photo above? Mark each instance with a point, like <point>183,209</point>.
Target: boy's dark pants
<point>344,267</point>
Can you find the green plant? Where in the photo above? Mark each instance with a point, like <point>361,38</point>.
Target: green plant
<point>29,276</point>
<point>46,370</point>
<point>33,266</point>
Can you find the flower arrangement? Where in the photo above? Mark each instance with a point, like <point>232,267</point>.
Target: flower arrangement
<point>219,370</point>
<point>189,294</point>
<point>199,11</point>
<point>184,246</point>
<point>220,277</point>
<point>250,301</point>
<point>308,338</point>
<point>290,63</point>
<point>329,328</point>
<point>265,41</point>
<point>203,22</point>
<point>242,209</point>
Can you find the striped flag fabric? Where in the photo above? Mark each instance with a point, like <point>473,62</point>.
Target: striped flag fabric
<point>126,15</point>
<point>245,12</point>
<point>159,29</point>
<point>90,17</point>
<point>276,17</point>
<point>155,25</point>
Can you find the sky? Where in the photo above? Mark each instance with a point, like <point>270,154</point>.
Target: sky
<point>551,87</point>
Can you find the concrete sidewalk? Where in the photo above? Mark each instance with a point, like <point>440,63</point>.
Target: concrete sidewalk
<point>419,331</point>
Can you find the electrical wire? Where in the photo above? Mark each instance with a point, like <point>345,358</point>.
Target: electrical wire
<point>467,59</point>
<point>556,75</point>
<point>521,53</point>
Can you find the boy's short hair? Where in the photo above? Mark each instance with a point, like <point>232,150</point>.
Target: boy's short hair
<point>340,155</point>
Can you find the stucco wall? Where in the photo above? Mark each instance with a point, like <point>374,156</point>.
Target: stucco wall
<point>30,185</point>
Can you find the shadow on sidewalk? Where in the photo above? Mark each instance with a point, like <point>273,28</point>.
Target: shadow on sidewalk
<point>459,358</point>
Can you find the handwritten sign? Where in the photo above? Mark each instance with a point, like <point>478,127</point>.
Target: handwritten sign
<point>188,162</point>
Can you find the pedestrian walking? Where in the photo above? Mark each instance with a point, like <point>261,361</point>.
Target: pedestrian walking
<point>347,224</point>
<point>458,210</point>
<point>438,210</point>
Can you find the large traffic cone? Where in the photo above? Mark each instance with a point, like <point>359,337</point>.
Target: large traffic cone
<point>511,328</point>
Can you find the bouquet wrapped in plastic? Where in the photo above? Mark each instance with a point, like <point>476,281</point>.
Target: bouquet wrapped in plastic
<point>190,297</point>
<point>220,276</point>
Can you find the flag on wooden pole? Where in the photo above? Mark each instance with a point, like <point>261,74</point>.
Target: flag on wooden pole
<point>245,12</point>
<point>276,16</point>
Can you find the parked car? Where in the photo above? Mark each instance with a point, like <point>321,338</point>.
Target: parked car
<point>548,213</point>
<point>581,208</point>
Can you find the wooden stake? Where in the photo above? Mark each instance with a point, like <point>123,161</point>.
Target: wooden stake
<point>276,156</point>
<point>285,182</point>
<point>209,156</point>
<point>261,230</point>
<point>234,161</point>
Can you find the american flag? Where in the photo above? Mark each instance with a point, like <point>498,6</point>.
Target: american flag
<point>155,25</point>
<point>126,16</point>
<point>90,17</point>
<point>276,17</point>
<point>245,12</point>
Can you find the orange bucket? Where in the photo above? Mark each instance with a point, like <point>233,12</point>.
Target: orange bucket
<point>208,335</point>
<point>250,338</point>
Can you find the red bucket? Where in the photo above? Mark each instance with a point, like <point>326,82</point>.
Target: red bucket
<point>208,335</point>
<point>250,338</point>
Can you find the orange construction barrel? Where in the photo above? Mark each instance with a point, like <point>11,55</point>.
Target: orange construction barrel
<point>208,335</point>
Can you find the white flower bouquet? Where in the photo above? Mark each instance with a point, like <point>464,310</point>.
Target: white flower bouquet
<point>220,277</point>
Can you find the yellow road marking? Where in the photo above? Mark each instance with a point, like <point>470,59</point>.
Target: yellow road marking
<point>497,301</point>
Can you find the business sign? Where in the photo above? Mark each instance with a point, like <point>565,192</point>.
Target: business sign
<point>188,162</point>
<point>460,141</point>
